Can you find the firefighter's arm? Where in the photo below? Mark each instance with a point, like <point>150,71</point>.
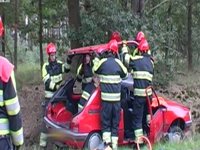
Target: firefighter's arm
<point>67,64</point>
<point>124,72</point>
<point>13,110</point>
<point>125,54</point>
<point>49,84</point>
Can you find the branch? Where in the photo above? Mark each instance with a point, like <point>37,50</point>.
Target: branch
<point>157,6</point>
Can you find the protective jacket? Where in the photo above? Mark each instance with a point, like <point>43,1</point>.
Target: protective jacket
<point>111,71</point>
<point>10,119</point>
<point>85,74</point>
<point>52,76</point>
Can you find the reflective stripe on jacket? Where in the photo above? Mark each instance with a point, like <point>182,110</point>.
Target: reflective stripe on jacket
<point>10,119</point>
<point>142,71</point>
<point>52,76</point>
<point>110,71</point>
<point>84,74</point>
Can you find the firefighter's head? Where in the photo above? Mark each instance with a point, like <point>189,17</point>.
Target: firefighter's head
<point>116,36</point>
<point>51,52</point>
<point>143,46</point>
<point>113,46</point>
<point>140,36</point>
<point>87,58</point>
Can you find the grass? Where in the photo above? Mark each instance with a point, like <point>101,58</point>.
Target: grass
<point>27,74</point>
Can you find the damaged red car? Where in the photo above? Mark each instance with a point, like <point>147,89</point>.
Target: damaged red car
<point>82,130</point>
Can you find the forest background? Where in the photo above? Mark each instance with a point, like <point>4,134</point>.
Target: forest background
<point>171,27</point>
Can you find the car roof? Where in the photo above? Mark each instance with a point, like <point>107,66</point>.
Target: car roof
<point>95,48</point>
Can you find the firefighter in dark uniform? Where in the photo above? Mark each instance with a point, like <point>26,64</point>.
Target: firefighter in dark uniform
<point>52,72</point>
<point>141,66</point>
<point>110,71</point>
<point>85,75</point>
<point>11,131</point>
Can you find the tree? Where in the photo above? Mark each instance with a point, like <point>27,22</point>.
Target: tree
<point>189,48</point>
<point>74,20</point>
<point>40,32</point>
<point>15,34</point>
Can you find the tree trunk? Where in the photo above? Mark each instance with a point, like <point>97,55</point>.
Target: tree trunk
<point>190,66</point>
<point>137,7</point>
<point>40,33</point>
<point>74,20</point>
<point>15,35</point>
<point>168,31</point>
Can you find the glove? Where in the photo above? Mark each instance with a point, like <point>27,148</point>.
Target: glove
<point>57,86</point>
<point>69,59</point>
<point>16,147</point>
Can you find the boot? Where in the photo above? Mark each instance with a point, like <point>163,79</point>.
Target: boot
<point>43,139</point>
<point>114,143</point>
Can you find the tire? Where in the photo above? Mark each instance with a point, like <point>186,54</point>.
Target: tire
<point>93,141</point>
<point>175,134</point>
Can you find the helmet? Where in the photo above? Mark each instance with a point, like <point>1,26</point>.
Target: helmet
<point>51,48</point>
<point>113,46</point>
<point>143,46</point>
<point>116,36</point>
<point>140,35</point>
<point>1,28</point>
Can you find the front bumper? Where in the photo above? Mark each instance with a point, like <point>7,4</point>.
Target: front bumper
<point>71,139</point>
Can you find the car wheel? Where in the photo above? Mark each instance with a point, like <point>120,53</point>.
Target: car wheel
<point>175,134</point>
<point>93,141</point>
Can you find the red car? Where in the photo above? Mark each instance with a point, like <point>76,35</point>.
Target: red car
<point>169,119</point>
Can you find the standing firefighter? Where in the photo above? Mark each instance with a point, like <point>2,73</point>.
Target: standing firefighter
<point>52,72</point>
<point>11,131</point>
<point>110,71</point>
<point>85,74</point>
<point>141,66</point>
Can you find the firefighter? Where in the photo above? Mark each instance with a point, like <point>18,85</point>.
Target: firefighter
<point>142,70</point>
<point>11,130</point>
<point>85,75</point>
<point>116,36</point>
<point>111,71</point>
<point>52,72</point>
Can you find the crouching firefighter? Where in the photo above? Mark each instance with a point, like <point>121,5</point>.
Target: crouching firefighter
<point>52,72</point>
<point>141,66</point>
<point>110,71</point>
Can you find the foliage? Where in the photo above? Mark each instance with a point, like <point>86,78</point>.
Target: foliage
<point>164,24</point>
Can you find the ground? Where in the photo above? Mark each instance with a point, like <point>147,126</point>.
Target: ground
<point>31,97</point>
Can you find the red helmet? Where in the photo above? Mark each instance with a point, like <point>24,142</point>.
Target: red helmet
<point>113,46</point>
<point>140,35</point>
<point>1,28</point>
<point>116,36</point>
<point>51,48</point>
<point>143,46</point>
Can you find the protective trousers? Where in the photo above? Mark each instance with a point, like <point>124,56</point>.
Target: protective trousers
<point>87,91</point>
<point>139,104</point>
<point>6,143</point>
<point>43,136</point>
<point>110,116</point>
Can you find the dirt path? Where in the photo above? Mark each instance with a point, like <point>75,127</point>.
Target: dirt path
<point>30,98</point>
